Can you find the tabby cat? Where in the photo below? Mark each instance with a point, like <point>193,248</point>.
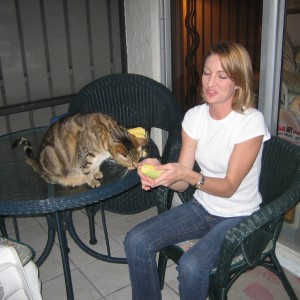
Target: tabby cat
<point>73,149</point>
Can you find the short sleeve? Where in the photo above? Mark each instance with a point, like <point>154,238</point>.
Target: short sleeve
<point>253,125</point>
<point>193,120</point>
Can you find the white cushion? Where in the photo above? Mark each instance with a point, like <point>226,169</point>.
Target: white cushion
<point>16,282</point>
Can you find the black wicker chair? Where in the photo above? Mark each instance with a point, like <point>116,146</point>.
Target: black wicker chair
<point>3,227</point>
<point>133,100</point>
<point>256,236</point>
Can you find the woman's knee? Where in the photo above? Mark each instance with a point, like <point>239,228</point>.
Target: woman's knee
<point>193,266</point>
<point>193,278</point>
<point>130,239</point>
<point>134,239</point>
<point>186,267</point>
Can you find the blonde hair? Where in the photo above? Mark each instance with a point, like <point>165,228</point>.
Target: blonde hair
<point>237,65</point>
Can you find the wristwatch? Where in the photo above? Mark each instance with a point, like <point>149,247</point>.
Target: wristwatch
<point>200,182</point>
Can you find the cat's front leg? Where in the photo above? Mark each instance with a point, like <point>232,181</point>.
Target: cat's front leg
<point>87,163</point>
<point>91,168</point>
<point>92,176</point>
<point>98,174</point>
<point>94,183</point>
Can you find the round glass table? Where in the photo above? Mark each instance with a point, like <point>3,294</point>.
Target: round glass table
<point>23,192</point>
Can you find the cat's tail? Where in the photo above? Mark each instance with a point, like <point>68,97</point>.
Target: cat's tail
<point>30,157</point>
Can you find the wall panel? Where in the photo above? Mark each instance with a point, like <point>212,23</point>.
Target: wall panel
<point>79,43</point>
<point>20,121</point>
<point>10,52</point>
<point>115,36</point>
<point>225,21</point>
<point>50,49</point>
<point>41,117</point>
<point>3,128</point>
<point>216,25</point>
<point>31,35</point>
<point>242,22</point>
<point>233,20</point>
<point>207,25</point>
<point>99,15</point>
<point>58,68</point>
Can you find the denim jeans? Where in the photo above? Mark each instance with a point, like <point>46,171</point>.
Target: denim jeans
<point>184,222</point>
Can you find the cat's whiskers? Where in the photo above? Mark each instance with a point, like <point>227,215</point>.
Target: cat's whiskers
<point>119,171</point>
<point>124,174</point>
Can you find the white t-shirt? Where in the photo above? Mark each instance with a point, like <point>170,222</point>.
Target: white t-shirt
<point>215,142</point>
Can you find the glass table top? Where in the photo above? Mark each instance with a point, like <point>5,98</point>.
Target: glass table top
<point>22,191</point>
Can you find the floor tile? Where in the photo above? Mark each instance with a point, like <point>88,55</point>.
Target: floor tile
<point>107,277</point>
<point>82,288</point>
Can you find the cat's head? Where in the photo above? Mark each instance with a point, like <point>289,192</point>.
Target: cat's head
<point>127,149</point>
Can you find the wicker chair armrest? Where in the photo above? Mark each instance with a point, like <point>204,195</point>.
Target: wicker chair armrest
<point>187,194</point>
<point>164,198</point>
<point>172,147</point>
<point>235,237</point>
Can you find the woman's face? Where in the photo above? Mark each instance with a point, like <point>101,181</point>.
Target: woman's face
<point>218,88</point>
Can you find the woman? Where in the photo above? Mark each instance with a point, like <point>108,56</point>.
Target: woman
<point>225,136</point>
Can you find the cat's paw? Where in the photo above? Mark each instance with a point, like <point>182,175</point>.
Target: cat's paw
<point>98,175</point>
<point>94,183</point>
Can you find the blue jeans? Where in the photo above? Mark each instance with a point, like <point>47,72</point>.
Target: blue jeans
<point>184,222</point>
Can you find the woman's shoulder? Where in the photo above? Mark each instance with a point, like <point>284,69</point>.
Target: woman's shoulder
<point>252,110</point>
<point>250,113</point>
<point>198,109</point>
<point>194,119</point>
<point>252,123</point>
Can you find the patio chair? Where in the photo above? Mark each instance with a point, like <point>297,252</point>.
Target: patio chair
<point>256,236</point>
<point>133,100</point>
<point>3,226</point>
<point>3,230</point>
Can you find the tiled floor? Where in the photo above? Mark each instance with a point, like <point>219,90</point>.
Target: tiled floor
<point>94,279</point>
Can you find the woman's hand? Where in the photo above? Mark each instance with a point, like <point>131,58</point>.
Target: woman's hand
<point>164,179</point>
<point>147,182</point>
<point>172,173</point>
<point>176,176</point>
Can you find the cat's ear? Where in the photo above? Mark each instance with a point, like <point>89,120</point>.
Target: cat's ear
<point>138,142</point>
<point>120,149</point>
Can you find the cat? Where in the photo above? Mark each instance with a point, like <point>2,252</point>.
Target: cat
<point>74,148</point>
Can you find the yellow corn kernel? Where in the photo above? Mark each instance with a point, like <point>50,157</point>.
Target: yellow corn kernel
<point>150,171</point>
<point>139,132</point>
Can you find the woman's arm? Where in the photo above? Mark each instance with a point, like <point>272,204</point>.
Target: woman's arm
<point>179,175</point>
<point>240,163</point>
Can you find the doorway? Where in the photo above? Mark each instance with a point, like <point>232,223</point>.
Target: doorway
<point>195,25</point>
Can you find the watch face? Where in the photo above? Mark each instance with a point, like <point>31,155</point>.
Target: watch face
<point>200,183</point>
<point>197,186</point>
